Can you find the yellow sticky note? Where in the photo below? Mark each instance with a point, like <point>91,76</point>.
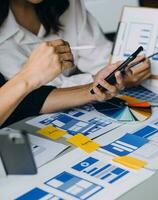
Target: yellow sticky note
<point>84,143</point>
<point>130,162</point>
<point>52,132</point>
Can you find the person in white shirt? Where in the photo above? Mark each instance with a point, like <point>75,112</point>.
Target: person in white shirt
<point>24,24</point>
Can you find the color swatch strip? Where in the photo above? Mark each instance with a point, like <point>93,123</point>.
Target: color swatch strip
<point>125,108</point>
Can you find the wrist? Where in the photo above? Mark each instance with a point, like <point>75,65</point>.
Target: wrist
<point>26,82</point>
<point>31,78</point>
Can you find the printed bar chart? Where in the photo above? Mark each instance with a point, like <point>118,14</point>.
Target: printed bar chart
<point>141,33</point>
<point>107,172</point>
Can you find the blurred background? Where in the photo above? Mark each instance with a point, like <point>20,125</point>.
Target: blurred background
<point>111,10</point>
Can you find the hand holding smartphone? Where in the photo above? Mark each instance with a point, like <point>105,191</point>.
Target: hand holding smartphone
<point>111,77</point>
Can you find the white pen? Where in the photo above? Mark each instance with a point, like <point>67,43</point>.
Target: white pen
<point>82,47</point>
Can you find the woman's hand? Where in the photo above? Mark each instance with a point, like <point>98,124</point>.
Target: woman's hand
<point>47,62</point>
<point>137,74</point>
<point>111,90</point>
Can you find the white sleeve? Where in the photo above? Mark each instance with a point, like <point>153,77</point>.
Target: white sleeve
<point>89,33</point>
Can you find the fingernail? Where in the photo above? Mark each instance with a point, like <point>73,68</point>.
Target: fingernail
<point>118,73</point>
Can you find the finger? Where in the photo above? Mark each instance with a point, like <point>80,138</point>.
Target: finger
<point>119,81</point>
<point>141,68</point>
<point>128,72</point>
<point>63,49</point>
<point>100,96</point>
<point>142,76</point>
<point>67,44</point>
<point>66,57</point>
<point>56,42</point>
<point>111,89</point>
<point>147,61</point>
<point>143,73</point>
<point>106,71</point>
<point>115,66</point>
<point>146,77</point>
<point>137,59</point>
<point>66,65</point>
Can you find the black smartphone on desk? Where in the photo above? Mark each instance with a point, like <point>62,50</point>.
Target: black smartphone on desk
<point>16,154</point>
<point>111,77</point>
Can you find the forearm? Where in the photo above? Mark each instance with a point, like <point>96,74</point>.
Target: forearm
<point>11,94</point>
<point>65,98</point>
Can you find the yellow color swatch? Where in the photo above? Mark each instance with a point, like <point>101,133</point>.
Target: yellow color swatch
<point>84,143</point>
<point>52,132</point>
<point>130,162</point>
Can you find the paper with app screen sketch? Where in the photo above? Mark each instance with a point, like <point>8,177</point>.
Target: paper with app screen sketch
<point>86,120</point>
<point>139,141</point>
<point>85,176</point>
<point>138,27</point>
<point>44,150</point>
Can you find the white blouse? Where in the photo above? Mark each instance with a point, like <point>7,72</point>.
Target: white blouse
<point>80,28</point>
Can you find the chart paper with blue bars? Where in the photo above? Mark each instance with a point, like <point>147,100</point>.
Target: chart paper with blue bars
<point>106,172</point>
<point>142,33</point>
<point>38,194</point>
<point>125,145</point>
<point>74,185</point>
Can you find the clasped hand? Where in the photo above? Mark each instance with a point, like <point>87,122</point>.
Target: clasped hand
<point>47,62</point>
